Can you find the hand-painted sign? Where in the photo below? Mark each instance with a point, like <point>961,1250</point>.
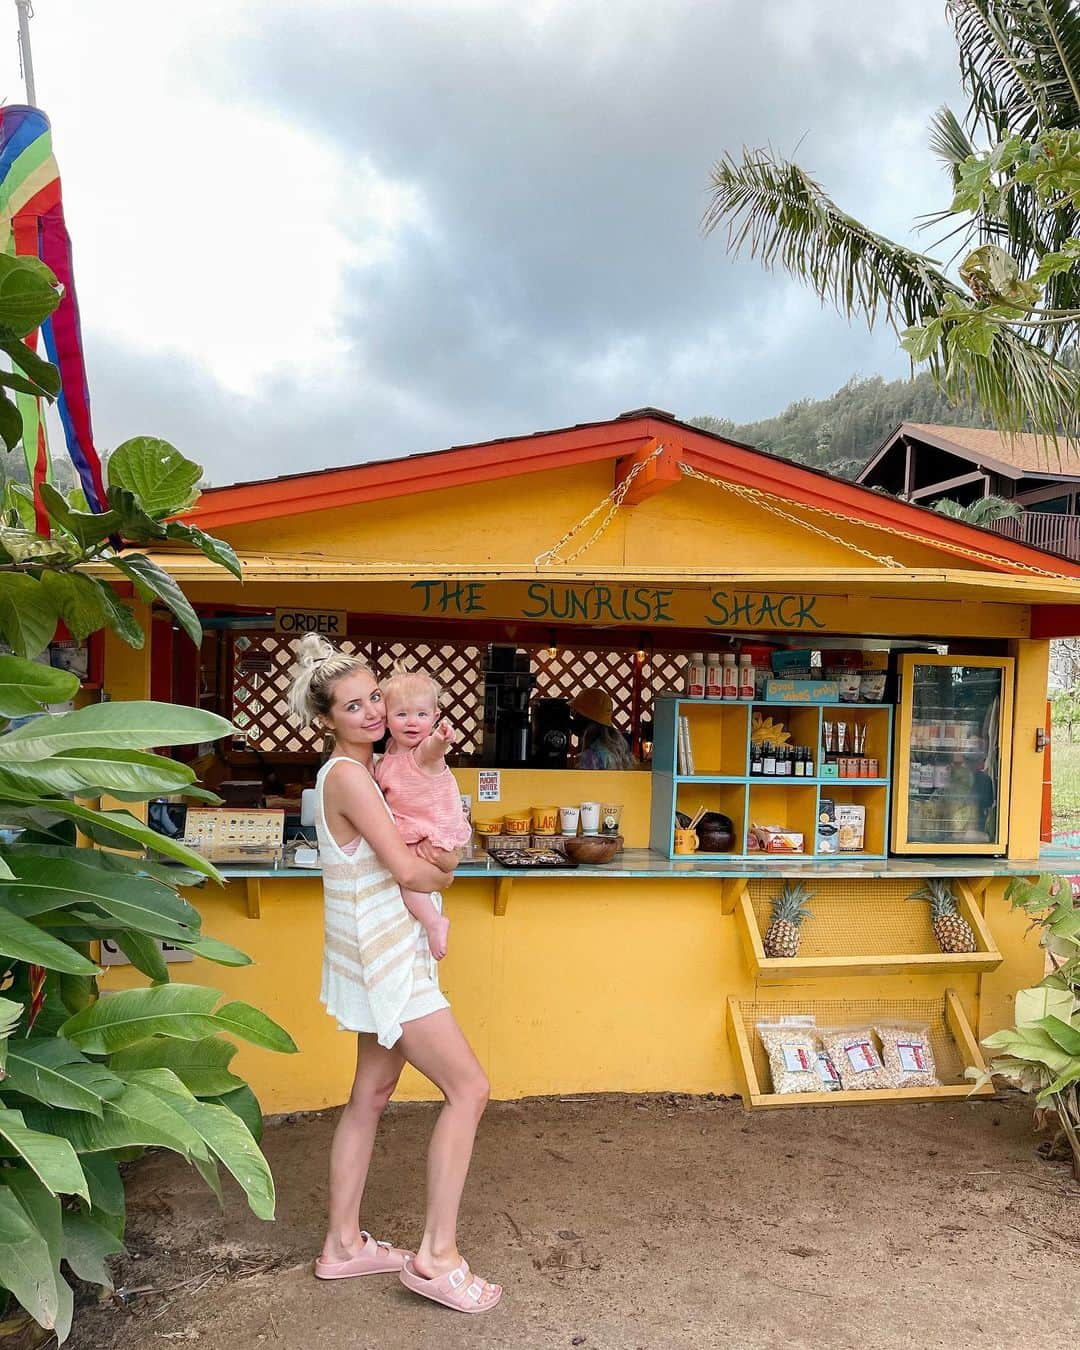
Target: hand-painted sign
<point>326,622</point>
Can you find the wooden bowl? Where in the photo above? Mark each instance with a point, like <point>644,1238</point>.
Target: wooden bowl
<point>591,848</point>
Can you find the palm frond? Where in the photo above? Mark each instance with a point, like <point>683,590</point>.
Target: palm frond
<point>778,214</point>
<point>1020,62</point>
<point>949,141</point>
<point>983,511</point>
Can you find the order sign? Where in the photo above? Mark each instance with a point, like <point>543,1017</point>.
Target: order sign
<point>325,622</point>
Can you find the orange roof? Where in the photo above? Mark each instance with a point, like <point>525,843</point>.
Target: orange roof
<point>618,439</point>
<point>1022,451</point>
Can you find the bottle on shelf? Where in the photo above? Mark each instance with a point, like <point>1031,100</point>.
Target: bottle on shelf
<point>755,760</point>
<point>746,676</point>
<point>768,760</point>
<point>713,676</point>
<point>729,677</point>
<point>695,676</point>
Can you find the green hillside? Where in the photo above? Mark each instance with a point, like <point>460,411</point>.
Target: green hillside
<point>840,433</point>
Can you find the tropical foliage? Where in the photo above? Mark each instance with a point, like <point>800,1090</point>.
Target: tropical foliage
<point>993,334</point>
<point>1041,1053</point>
<point>985,511</point>
<point>87,1083</point>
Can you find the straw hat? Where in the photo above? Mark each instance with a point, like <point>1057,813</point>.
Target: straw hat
<point>595,705</point>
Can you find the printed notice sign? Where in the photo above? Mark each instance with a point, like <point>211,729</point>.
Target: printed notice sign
<point>488,786</point>
<point>326,622</point>
<point>111,955</point>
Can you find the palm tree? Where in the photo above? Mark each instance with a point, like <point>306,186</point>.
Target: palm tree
<point>994,339</point>
<point>985,511</point>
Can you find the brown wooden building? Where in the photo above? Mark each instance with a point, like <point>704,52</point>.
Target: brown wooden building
<point>921,462</point>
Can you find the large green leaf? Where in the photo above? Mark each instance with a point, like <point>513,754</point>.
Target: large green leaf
<point>133,1117</point>
<point>87,1245</point>
<point>1030,1043</point>
<point>52,1159</point>
<point>139,903</point>
<point>144,954</point>
<point>1062,1033</point>
<point>202,1066</point>
<point>163,481</point>
<point>111,828</point>
<point>1032,1005</point>
<point>113,862</point>
<point>26,1264</point>
<point>227,1136</point>
<point>135,524</point>
<point>11,426</point>
<point>88,528</point>
<point>120,616</point>
<point>153,582</point>
<point>27,613</point>
<point>217,550</point>
<point>51,1070</point>
<point>43,1210</point>
<point>29,293</point>
<point>134,725</point>
<point>106,1185</point>
<point>43,373</point>
<point>184,1011</point>
<point>211,949</point>
<point>26,686</point>
<point>77,600</point>
<point>26,942</point>
<point>92,773</point>
<point>245,1104</point>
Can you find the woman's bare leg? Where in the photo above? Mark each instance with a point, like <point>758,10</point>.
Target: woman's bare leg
<point>377,1073</point>
<point>436,1046</point>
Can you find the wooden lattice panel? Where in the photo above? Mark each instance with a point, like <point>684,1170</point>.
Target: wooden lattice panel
<point>263,661</point>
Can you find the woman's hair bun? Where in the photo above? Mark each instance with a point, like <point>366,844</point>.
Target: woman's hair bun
<point>312,650</point>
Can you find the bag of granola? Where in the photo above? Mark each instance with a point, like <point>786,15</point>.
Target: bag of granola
<point>855,1057</point>
<point>907,1054</point>
<point>792,1048</point>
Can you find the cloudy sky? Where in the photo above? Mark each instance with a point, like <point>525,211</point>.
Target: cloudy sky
<point>319,233</point>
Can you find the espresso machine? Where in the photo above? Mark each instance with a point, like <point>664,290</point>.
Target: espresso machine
<point>552,727</point>
<point>508,683</point>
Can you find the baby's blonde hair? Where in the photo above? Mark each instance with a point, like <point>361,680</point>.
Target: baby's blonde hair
<point>402,680</point>
<point>319,666</point>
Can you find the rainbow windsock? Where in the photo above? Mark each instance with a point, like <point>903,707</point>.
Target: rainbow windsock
<point>32,224</point>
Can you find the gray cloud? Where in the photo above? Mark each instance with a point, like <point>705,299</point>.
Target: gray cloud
<point>558,274</point>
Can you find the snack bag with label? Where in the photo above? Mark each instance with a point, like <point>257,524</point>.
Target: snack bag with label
<point>908,1054</point>
<point>855,1057</point>
<point>792,1052</point>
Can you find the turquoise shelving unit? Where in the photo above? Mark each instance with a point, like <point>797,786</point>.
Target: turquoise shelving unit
<point>720,738</point>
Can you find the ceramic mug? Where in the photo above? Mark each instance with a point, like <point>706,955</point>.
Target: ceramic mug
<point>686,841</point>
<point>568,819</point>
<point>590,817</point>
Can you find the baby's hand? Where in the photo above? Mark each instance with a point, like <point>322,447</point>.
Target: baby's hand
<point>443,736</point>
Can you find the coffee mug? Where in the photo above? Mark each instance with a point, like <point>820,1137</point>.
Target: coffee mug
<point>590,817</point>
<point>568,819</point>
<point>686,841</point>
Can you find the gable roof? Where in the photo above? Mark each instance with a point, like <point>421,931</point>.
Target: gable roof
<point>615,439</point>
<point>1021,456</point>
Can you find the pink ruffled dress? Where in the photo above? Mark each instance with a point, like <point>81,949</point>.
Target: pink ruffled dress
<point>425,805</point>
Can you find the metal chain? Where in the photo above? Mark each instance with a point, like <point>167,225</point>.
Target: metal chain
<point>765,500</point>
<point>760,496</point>
<point>612,501</point>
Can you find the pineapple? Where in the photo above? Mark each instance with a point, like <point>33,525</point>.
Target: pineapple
<point>788,912</point>
<point>953,932</point>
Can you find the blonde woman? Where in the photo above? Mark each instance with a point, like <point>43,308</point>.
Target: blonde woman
<point>380,981</point>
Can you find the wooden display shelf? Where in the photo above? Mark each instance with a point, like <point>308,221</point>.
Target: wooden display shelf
<point>860,928</point>
<point>951,1036</point>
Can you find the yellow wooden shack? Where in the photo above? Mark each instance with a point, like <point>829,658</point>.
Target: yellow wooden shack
<point>612,554</point>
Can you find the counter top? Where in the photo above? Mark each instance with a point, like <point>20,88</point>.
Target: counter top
<point>643,863</point>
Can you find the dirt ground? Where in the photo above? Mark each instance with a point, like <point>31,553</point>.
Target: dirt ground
<point>625,1222</point>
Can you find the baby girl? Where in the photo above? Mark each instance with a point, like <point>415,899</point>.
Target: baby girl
<point>420,790</point>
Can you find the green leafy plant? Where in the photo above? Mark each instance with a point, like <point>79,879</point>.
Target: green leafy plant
<point>984,512</point>
<point>87,1083</point>
<point>1040,1054</point>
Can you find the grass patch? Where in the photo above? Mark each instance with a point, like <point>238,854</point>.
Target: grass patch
<point>1065,800</point>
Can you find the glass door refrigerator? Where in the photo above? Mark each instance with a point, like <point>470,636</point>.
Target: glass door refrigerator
<point>953,742</point>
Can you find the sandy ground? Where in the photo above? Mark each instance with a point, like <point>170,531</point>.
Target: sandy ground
<point>625,1222</point>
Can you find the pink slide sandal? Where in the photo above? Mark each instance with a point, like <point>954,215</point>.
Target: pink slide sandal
<point>459,1289</point>
<point>374,1258</point>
